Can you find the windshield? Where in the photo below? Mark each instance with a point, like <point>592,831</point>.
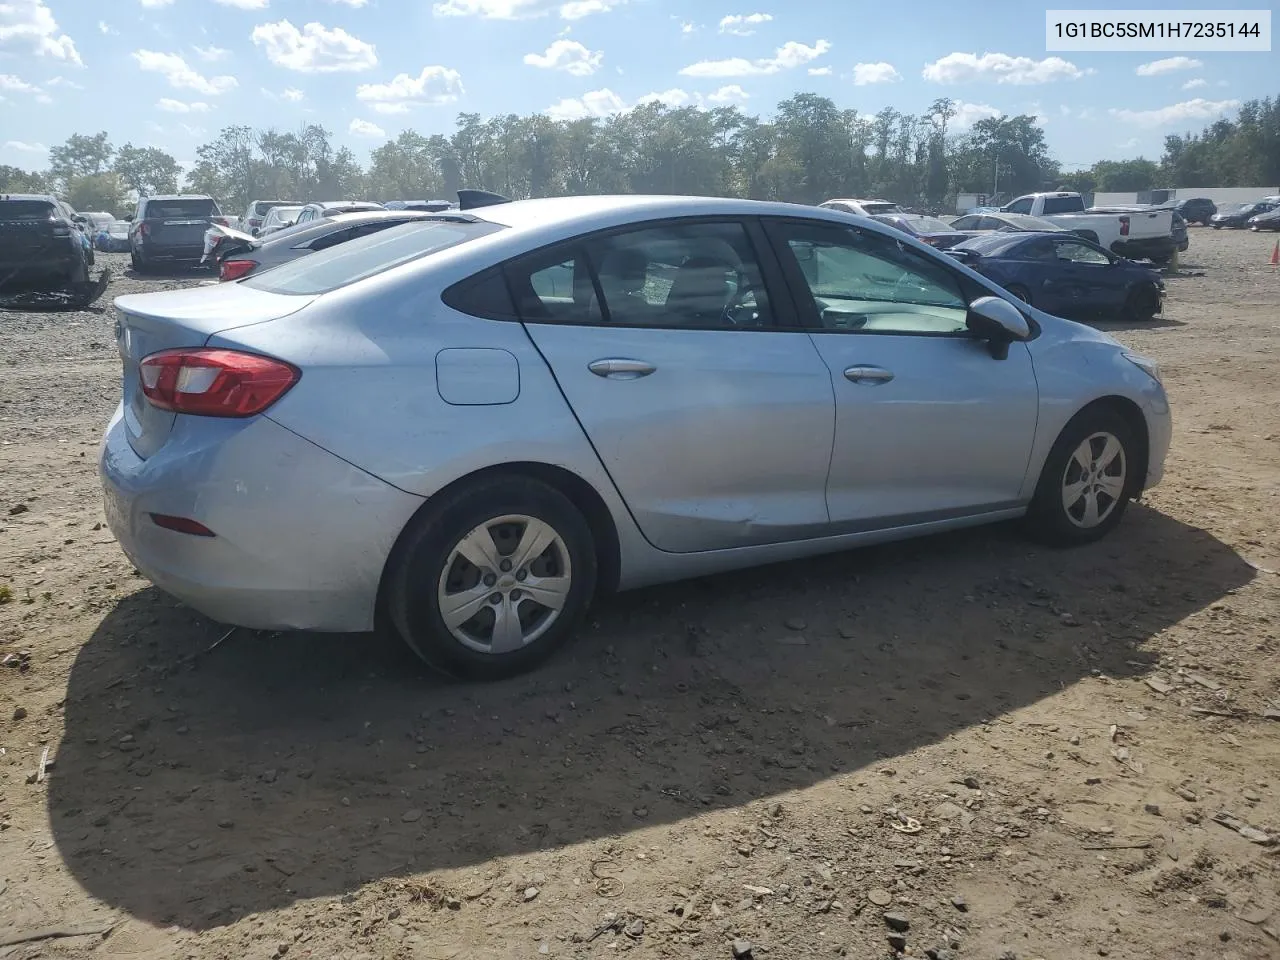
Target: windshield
<point>118,227</point>
<point>187,209</point>
<point>25,209</point>
<point>281,214</point>
<point>367,256</point>
<point>874,208</point>
<point>989,243</point>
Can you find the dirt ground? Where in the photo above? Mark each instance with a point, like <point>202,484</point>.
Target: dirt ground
<point>1012,752</point>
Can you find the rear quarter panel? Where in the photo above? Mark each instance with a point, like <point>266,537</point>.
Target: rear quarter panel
<point>369,393</point>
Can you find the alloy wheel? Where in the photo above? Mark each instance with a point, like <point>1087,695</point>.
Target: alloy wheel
<point>1094,480</point>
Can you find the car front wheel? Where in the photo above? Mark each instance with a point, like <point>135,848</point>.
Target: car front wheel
<point>1087,481</point>
<point>491,580</point>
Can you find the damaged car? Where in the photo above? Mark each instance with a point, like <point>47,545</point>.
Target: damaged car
<point>44,255</point>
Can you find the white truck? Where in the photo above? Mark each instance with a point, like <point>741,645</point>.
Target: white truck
<point>1139,234</point>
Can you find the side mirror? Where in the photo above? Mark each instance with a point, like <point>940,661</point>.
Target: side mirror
<point>999,323</point>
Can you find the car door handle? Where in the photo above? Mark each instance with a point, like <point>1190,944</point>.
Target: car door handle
<point>867,374</point>
<point>620,368</point>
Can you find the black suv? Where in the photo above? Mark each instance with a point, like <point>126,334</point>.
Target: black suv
<point>1196,210</point>
<point>41,245</point>
<point>171,229</point>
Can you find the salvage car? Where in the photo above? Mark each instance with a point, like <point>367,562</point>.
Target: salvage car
<point>1237,215</point>
<point>256,213</point>
<point>1065,275</point>
<point>930,230</point>
<point>1265,221</point>
<point>417,429</point>
<point>1132,231</point>
<point>331,208</point>
<point>990,222</point>
<point>278,218</point>
<point>240,256</point>
<point>1196,210</point>
<point>113,238</point>
<point>170,229</point>
<point>41,245</point>
<point>863,208</point>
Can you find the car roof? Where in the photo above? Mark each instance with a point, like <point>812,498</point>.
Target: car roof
<point>178,196</point>
<point>29,196</point>
<point>608,210</point>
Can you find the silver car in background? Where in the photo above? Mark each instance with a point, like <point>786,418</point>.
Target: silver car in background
<point>469,425</point>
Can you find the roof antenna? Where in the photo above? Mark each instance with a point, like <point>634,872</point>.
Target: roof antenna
<point>470,199</point>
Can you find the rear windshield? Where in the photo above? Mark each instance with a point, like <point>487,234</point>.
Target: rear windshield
<point>181,209</point>
<point>366,256</point>
<point>261,207</point>
<point>25,209</point>
<point>1054,205</point>
<point>991,243</point>
<point>928,224</point>
<point>873,208</point>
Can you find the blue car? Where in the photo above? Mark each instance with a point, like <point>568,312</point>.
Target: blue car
<point>1064,274</point>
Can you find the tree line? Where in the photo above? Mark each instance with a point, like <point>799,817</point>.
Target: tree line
<point>808,151</point>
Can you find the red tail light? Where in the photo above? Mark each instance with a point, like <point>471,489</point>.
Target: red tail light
<point>235,269</point>
<point>210,382</point>
<point>1124,226</point>
<point>144,229</point>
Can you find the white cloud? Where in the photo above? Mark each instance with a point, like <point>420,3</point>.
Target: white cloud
<point>154,4</point>
<point>687,26</point>
<point>23,147</point>
<point>363,128</point>
<point>1000,67</point>
<point>292,95</point>
<point>743,25</point>
<point>314,49</point>
<point>1167,65</point>
<point>521,9</point>
<point>1128,144</point>
<point>791,54</point>
<point>604,102</point>
<point>1198,109</point>
<point>174,69</point>
<point>64,82</point>
<point>245,4</point>
<point>12,84</point>
<point>597,103</point>
<point>105,28</point>
<point>819,71</point>
<point>730,94</point>
<point>967,114</point>
<point>178,106</point>
<point>567,55</point>
<point>433,86</point>
<point>356,4</point>
<point>211,54</point>
<point>577,9</point>
<point>865,74</point>
<point>29,25</point>
<point>1195,84</point>
<point>193,130</point>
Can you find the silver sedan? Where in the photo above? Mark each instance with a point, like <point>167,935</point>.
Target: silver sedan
<point>469,425</point>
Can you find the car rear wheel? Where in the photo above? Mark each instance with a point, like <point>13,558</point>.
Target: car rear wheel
<point>490,581</point>
<point>1021,292</point>
<point>1087,481</point>
<point>1142,305</point>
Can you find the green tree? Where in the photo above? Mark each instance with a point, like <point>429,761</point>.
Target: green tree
<point>80,156</point>
<point>146,170</point>
<point>1122,176</point>
<point>97,191</point>
<point>16,180</point>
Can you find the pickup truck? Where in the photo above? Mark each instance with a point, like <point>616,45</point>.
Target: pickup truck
<point>1138,233</point>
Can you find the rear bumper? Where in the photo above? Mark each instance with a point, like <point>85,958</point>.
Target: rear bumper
<point>301,537</point>
<point>1146,248</point>
<point>19,270</point>
<point>175,251</point>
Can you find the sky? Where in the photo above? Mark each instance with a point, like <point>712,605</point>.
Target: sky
<point>171,73</point>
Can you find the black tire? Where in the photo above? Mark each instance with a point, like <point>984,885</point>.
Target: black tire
<point>418,567</point>
<point>1048,518</point>
<point>1021,292</point>
<point>139,265</point>
<point>1141,305</point>
<point>1216,226</point>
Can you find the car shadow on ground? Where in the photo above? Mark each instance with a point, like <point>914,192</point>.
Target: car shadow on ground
<point>196,789</point>
<point>1114,324</point>
<point>171,271</point>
